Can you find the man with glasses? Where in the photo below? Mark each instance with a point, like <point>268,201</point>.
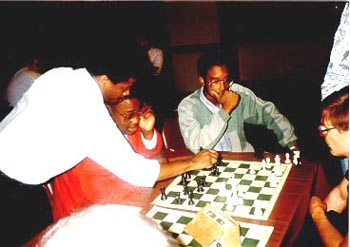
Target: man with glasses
<point>213,116</point>
<point>330,216</point>
<point>136,121</point>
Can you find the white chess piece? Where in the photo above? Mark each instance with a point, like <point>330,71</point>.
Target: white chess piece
<point>287,160</point>
<point>296,154</point>
<point>277,159</point>
<point>273,182</point>
<point>263,170</point>
<point>278,171</point>
<point>251,170</point>
<point>268,163</point>
<point>295,160</point>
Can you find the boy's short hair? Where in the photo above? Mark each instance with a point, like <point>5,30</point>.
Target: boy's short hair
<point>209,59</point>
<point>335,109</point>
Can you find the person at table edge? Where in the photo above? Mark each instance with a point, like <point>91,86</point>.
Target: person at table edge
<point>213,116</point>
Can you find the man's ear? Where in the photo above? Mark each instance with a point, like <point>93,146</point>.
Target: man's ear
<point>201,80</point>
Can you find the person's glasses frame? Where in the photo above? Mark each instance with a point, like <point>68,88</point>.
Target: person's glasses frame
<point>128,117</point>
<point>227,80</point>
<point>324,131</point>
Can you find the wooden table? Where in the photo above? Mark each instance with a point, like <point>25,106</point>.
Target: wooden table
<point>289,212</point>
<point>287,216</point>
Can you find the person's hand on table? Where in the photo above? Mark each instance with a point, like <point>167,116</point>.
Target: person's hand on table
<point>204,159</point>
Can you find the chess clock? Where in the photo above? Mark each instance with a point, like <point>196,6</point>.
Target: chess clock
<point>213,227</point>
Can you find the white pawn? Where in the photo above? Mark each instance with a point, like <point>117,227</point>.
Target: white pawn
<point>277,159</point>
<point>278,171</point>
<point>263,170</point>
<point>273,182</point>
<point>268,163</point>
<point>251,170</point>
<point>287,161</point>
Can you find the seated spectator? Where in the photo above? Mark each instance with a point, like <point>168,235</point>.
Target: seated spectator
<point>136,121</point>
<point>213,116</point>
<point>330,215</point>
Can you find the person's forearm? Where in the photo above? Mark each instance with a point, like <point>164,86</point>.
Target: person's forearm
<point>175,168</point>
<point>329,235</point>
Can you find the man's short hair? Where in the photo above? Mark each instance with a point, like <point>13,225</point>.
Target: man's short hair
<point>210,59</point>
<point>335,109</point>
<point>116,72</point>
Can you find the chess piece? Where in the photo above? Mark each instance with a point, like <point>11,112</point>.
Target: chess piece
<point>277,159</point>
<point>190,197</point>
<point>178,198</point>
<point>287,160</point>
<point>273,182</point>
<point>295,160</point>
<point>164,196</point>
<point>183,179</point>
<point>185,189</point>
<point>200,184</point>
<point>278,171</point>
<point>251,170</point>
<point>268,163</point>
<point>263,170</point>
<point>216,171</point>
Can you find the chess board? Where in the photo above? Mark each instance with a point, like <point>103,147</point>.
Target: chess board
<point>256,196</point>
<point>174,221</point>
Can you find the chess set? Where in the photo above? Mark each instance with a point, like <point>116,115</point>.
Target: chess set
<point>174,222</point>
<point>240,188</point>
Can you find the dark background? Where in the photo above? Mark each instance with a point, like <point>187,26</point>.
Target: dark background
<point>72,33</point>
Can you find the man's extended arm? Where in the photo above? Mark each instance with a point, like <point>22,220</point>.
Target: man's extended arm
<point>203,159</point>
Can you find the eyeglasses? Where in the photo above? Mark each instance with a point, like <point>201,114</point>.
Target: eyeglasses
<point>130,116</point>
<point>227,80</point>
<point>324,131</point>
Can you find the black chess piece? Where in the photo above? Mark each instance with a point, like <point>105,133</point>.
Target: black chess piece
<point>163,196</point>
<point>183,179</point>
<point>178,198</point>
<point>190,197</point>
<point>216,171</point>
<point>185,189</point>
<point>200,184</point>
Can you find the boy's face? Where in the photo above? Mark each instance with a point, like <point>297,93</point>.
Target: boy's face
<point>216,83</point>
<point>337,140</point>
<point>126,114</point>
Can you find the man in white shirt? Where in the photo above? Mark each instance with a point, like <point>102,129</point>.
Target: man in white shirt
<point>62,119</point>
